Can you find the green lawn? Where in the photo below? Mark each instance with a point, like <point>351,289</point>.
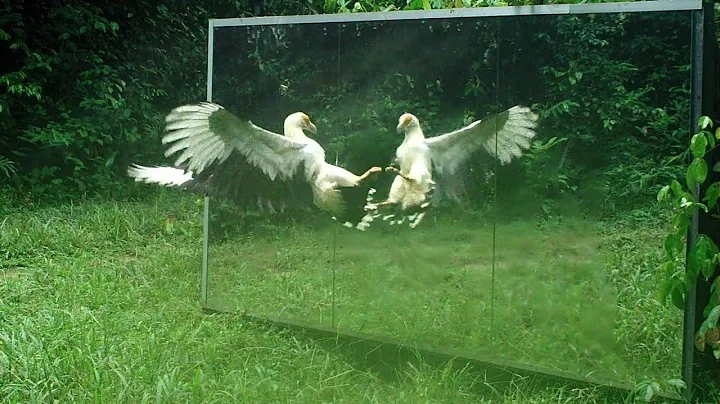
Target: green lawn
<point>565,297</point>
<point>100,302</point>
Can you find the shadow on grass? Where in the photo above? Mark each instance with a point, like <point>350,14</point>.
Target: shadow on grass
<point>388,359</point>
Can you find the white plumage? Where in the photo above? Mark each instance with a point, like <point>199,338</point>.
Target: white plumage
<point>503,136</point>
<point>166,176</point>
<point>207,135</point>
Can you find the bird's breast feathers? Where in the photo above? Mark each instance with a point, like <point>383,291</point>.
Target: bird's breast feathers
<point>409,152</point>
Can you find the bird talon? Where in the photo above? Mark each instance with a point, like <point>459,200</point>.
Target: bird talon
<point>389,169</point>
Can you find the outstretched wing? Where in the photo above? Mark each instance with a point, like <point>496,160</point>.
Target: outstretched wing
<point>233,159</point>
<point>206,133</point>
<point>504,136</point>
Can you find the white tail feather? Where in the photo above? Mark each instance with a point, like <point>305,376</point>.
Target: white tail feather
<point>166,176</point>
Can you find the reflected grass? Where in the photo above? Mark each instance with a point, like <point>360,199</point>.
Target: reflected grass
<point>559,298</point>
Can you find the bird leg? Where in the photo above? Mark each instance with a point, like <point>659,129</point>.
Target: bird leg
<point>370,171</point>
<point>396,171</point>
<point>377,205</point>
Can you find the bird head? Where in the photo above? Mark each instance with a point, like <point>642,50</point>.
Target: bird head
<point>406,122</point>
<point>300,120</point>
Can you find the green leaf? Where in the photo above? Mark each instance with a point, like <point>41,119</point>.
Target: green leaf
<point>710,265</point>
<point>713,297</point>
<point>665,289</point>
<point>648,393</point>
<point>663,193</point>
<point>677,383</point>
<point>329,6</point>
<point>687,199</point>
<point>696,173</point>
<point>414,5</point>
<point>698,145</point>
<point>685,204</point>
<point>677,295</point>
<point>704,122</point>
<point>680,223</point>
<point>712,193</point>
<point>669,269</point>
<point>696,257</point>
<point>710,138</point>
<point>426,5</point>
<point>716,167</point>
<point>717,133</point>
<point>702,257</point>
<point>710,322</point>
<point>673,244</point>
<point>676,188</point>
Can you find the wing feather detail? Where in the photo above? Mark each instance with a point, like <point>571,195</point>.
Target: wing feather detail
<point>206,133</point>
<point>504,136</point>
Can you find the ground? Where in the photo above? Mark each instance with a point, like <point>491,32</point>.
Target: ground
<point>100,301</point>
<point>560,289</point>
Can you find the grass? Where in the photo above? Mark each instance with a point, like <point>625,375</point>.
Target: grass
<point>551,300</point>
<point>99,303</point>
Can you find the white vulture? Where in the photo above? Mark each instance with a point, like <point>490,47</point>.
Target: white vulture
<point>504,136</point>
<point>239,161</point>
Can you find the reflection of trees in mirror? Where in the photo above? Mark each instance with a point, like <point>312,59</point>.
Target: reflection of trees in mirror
<point>604,86</point>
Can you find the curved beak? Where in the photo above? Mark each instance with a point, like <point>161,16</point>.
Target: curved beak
<point>400,128</point>
<point>311,127</point>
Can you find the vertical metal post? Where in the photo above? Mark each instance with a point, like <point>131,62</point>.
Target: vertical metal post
<point>206,212</point>
<point>211,35</point>
<point>689,323</point>
<point>705,369</point>
<point>206,237</point>
<point>495,176</point>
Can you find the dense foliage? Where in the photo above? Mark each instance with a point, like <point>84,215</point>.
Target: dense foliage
<point>88,86</point>
<point>703,253</point>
